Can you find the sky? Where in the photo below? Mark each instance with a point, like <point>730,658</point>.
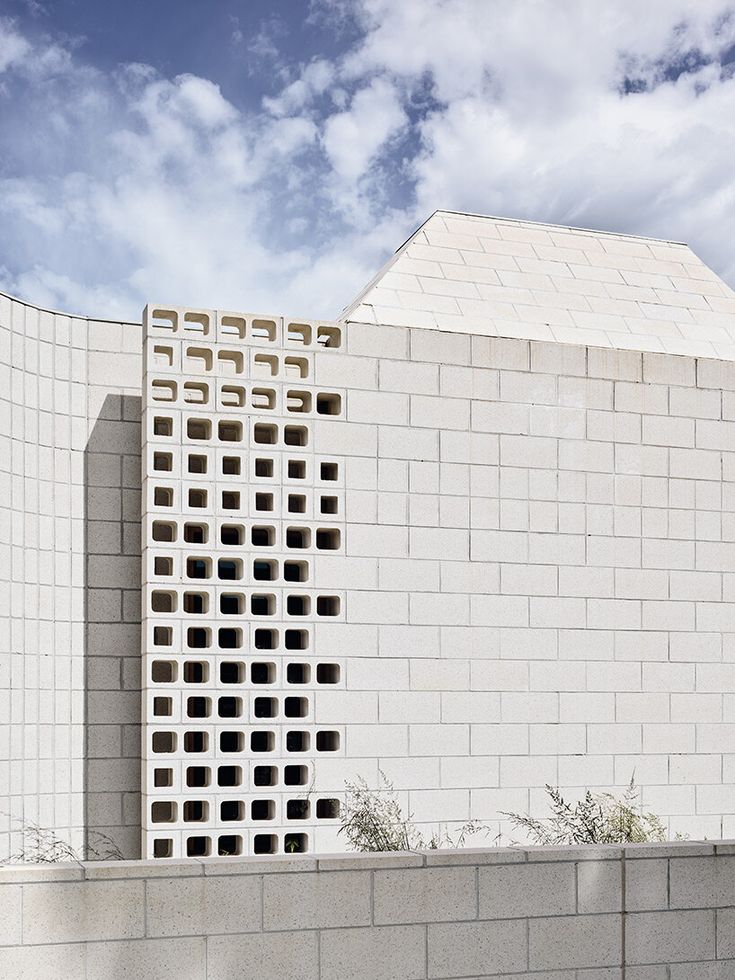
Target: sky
<point>270,155</point>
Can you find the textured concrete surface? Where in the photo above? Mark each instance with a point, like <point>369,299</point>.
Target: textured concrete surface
<point>538,914</point>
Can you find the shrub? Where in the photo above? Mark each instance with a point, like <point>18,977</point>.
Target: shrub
<point>372,820</point>
<point>598,818</point>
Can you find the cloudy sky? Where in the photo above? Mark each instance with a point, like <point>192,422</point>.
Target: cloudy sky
<point>269,155</point>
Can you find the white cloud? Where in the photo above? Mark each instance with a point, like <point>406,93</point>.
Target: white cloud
<point>133,186</point>
<point>353,138</point>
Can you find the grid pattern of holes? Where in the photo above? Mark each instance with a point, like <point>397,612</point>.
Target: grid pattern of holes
<point>236,506</point>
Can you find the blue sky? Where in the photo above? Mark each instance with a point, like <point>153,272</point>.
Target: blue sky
<point>269,156</point>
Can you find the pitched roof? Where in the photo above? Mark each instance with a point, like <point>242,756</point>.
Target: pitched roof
<point>508,278</point>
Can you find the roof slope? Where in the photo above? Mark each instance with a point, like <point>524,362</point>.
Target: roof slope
<point>501,277</point>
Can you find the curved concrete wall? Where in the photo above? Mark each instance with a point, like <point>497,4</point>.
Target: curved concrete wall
<point>69,568</point>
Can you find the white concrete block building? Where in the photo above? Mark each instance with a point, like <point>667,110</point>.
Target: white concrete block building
<point>478,533</point>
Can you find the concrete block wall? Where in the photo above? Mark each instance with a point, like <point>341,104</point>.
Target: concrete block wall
<point>539,566</point>
<point>658,912</point>
<point>70,547</point>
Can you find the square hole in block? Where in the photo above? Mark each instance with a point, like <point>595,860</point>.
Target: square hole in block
<point>230,499</point>
<point>265,434</point>
<point>196,533</point>
<point>296,639</point>
<point>328,538</point>
<point>163,777</point>
<point>299,333</point>
<point>198,429</point>
<point>297,809</point>
<point>163,426</point>
<point>327,809</point>
<point>232,672</point>
<point>328,403</point>
<point>264,467</point>
<point>163,636</point>
<point>265,844</point>
<point>198,846</point>
<point>297,673</point>
<point>296,843</point>
<point>263,605</point>
<point>196,672</point>
<point>262,536</point>
<point>265,707</point>
<point>296,707</point>
<point>163,672</point>
<point>328,605</point>
<point>297,741</point>
<point>328,472</point>
<point>232,603</point>
<point>298,605</point>
<point>296,469</point>
<point>197,464</point>
<point>231,741</point>
<point>198,707</point>
<point>196,811</point>
<point>328,505</point>
<point>198,637</point>
<point>296,503</point>
<point>229,845</point>
<point>163,811</point>
<point>329,337</point>
<point>196,741</point>
<point>266,639</point>
<point>229,707</point>
<point>229,569</point>
<point>163,565</point>
<point>198,776</point>
<point>327,673</point>
<point>229,776</point>
<point>163,461</point>
<point>231,465</point>
<point>231,810</point>
<point>295,571</point>
<point>327,741</point>
<point>163,602</point>
<point>196,603</point>
<point>197,497</point>
<point>163,531</point>
<point>265,776</point>
<point>262,741</point>
<point>262,673</point>
<point>298,537</point>
<point>229,431</point>
<point>265,571</point>
<point>229,638</point>
<point>198,568</point>
<point>232,534</point>
<point>264,501</point>
<point>163,706</point>
<point>295,435</point>
<point>163,847</point>
<point>295,775</point>
<point>163,497</point>
<point>163,742</point>
<point>262,810</point>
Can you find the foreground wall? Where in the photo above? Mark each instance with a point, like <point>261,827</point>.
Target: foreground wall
<point>655,912</point>
<point>69,577</point>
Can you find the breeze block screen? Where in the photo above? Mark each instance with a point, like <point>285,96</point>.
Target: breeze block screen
<point>236,507</point>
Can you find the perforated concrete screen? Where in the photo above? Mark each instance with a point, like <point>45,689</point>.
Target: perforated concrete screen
<point>237,504</point>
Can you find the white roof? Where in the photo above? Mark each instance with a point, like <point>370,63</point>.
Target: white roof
<point>501,277</point>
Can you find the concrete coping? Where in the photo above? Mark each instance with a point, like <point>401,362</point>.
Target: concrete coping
<point>286,863</point>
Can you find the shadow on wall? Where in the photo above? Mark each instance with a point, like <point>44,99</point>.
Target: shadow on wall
<point>112,486</point>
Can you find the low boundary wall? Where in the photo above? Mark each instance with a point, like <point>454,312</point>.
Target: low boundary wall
<point>646,912</point>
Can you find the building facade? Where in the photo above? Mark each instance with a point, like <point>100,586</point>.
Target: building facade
<point>478,535</point>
